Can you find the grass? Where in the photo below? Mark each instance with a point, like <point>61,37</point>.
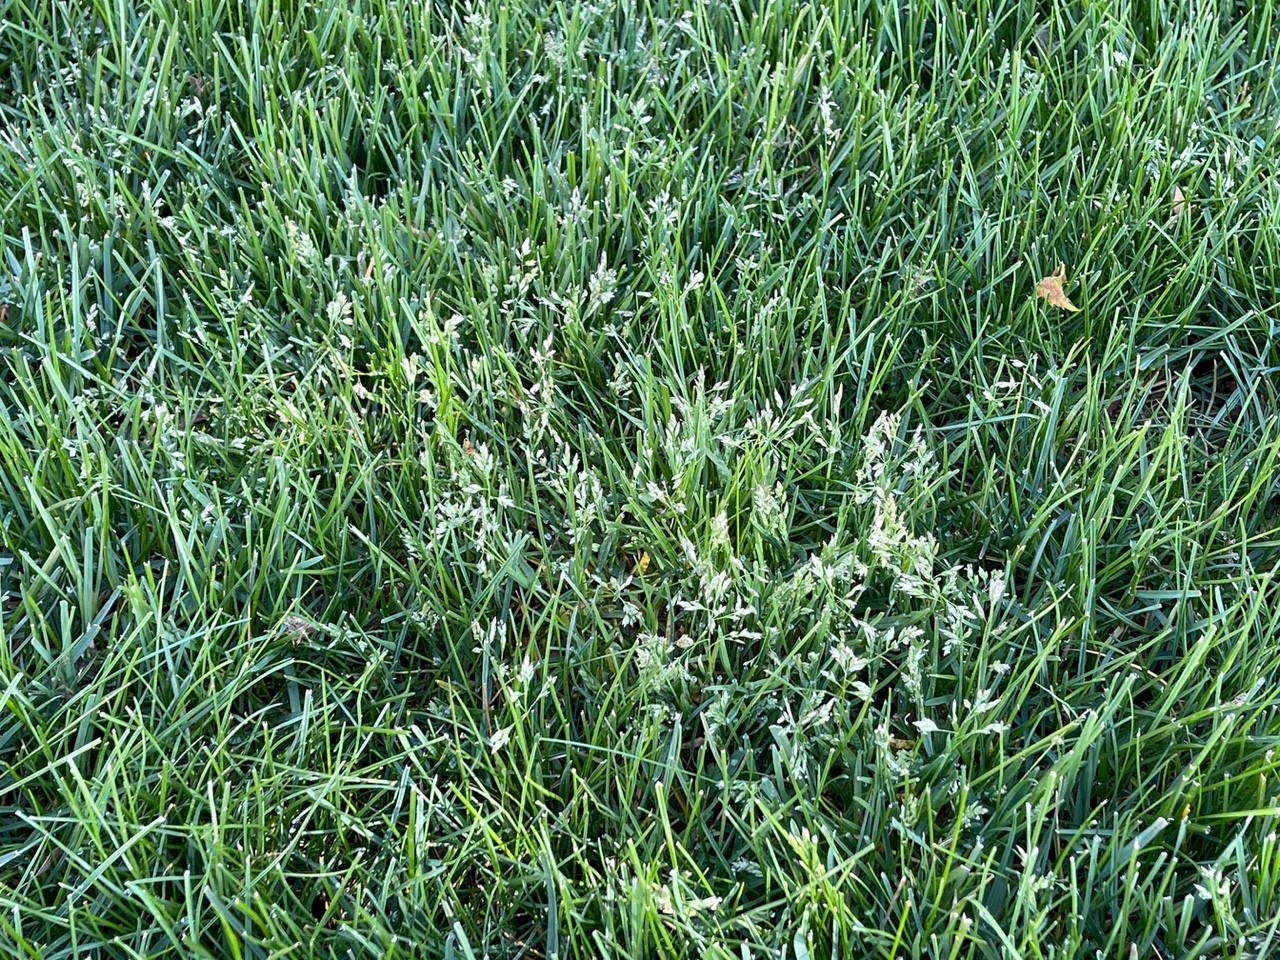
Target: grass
<point>594,480</point>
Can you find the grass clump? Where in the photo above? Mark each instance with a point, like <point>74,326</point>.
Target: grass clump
<point>525,480</point>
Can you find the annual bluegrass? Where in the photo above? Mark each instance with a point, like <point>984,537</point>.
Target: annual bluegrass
<point>526,479</point>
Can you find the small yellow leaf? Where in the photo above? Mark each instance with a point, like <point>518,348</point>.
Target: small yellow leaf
<point>898,743</point>
<point>1050,289</point>
<point>1186,811</point>
<point>642,564</point>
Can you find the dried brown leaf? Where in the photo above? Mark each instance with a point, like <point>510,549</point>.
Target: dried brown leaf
<point>1050,289</point>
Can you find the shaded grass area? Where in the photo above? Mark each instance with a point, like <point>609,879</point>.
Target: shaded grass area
<point>541,480</point>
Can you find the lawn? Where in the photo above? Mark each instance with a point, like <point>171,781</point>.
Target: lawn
<point>619,480</point>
